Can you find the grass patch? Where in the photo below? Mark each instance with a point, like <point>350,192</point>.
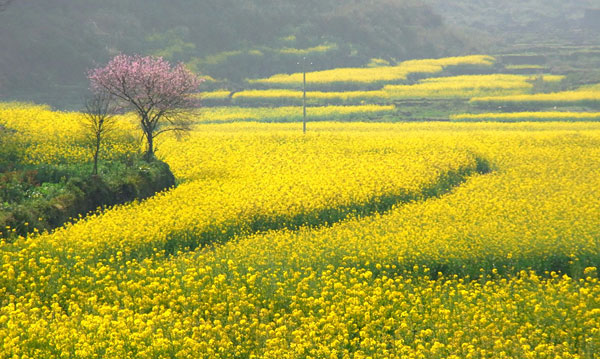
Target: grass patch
<point>41,198</point>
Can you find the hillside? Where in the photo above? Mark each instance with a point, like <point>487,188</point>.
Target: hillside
<point>48,46</point>
<point>523,21</point>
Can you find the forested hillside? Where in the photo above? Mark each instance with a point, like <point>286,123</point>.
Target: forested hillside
<point>524,21</point>
<point>47,46</point>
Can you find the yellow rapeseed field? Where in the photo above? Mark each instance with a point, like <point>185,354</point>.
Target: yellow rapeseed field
<point>374,75</point>
<point>411,248</point>
<point>565,98</point>
<point>319,49</point>
<point>293,113</point>
<point>528,116</point>
<point>58,137</point>
<point>467,86</point>
<point>218,96</point>
<point>281,97</point>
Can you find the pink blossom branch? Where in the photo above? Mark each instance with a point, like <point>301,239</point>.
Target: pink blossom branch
<point>149,86</point>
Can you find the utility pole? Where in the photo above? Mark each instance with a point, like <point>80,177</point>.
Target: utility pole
<point>304,93</point>
<point>304,97</point>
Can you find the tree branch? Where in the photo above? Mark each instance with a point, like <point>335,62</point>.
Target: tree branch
<point>149,86</point>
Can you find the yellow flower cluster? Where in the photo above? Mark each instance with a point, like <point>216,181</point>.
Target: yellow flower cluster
<point>292,113</point>
<point>59,137</point>
<point>464,86</point>
<point>382,74</point>
<point>577,97</point>
<point>320,49</point>
<point>467,86</point>
<point>537,210</point>
<point>281,97</point>
<point>237,181</point>
<point>497,265</point>
<point>526,67</point>
<point>528,116</point>
<point>214,95</point>
<point>209,307</point>
<point>592,87</point>
<point>503,80</point>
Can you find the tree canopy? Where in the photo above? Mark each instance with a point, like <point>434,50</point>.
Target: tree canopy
<point>159,93</point>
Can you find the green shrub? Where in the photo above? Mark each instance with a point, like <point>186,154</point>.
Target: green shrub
<point>12,150</point>
<point>47,197</point>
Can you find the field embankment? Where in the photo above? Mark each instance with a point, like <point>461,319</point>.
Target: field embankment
<point>46,176</point>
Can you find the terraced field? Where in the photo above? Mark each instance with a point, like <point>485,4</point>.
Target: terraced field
<point>376,76</point>
<point>366,237</point>
<point>477,88</point>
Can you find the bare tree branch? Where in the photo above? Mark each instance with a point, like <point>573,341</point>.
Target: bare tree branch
<point>99,121</point>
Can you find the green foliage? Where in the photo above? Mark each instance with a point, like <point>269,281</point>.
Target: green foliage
<point>378,63</point>
<point>11,150</point>
<point>41,198</point>
<point>171,44</point>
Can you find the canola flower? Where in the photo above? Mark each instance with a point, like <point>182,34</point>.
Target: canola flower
<point>565,98</point>
<point>319,49</point>
<point>514,217</point>
<point>373,75</point>
<point>526,67</point>
<point>464,86</point>
<point>501,79</point>
<point>467,86</point>
<point>214,98</point>
<point>293,113</point>
<point>503,266</point>
<point>259,182</point>
<point>59,137</point>
<point>282,97</point>
<point>528,116</point>
<point>214,309</point>
<point>591,87</point>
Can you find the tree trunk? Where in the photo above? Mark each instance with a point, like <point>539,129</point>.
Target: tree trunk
<point>148,128</point>
<point>95,170</point>
<point>150,149</point>
<point>97,152</point>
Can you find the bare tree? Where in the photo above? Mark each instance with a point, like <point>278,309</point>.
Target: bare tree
<point>99,121</point>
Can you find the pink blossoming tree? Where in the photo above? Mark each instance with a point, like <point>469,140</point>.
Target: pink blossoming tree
<point>159,93</point>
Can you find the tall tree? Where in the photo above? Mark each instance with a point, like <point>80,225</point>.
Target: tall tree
<point>159,93</point>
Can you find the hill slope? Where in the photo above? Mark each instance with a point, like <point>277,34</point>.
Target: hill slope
<point>48,46</point>
<point>524,21</point>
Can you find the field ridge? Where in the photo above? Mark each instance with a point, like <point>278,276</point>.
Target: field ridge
<point>323,217</point>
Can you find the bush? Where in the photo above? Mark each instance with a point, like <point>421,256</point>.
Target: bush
<point>41,200</point>
<point>12,151</point>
